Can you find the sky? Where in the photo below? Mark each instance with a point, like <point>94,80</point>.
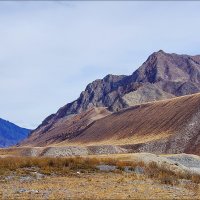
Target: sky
<point>51,50</point>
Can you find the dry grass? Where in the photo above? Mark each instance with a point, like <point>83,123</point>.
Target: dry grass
<point>10,151</point>
<point>48,165</point>
<point>62,181</point>
<point>167,176</point>
<point>94,186</point>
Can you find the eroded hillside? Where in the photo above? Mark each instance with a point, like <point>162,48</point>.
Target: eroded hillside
<point>167,126</point>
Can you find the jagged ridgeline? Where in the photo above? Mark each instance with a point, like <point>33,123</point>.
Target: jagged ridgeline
<point>161,76</point>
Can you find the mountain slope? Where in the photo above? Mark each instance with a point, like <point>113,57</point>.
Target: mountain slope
<point>175,74</point>
<point>163,126</point>
<point>167,126</point>
<point>11,134</point>
<point>162,76</point>
<point>65,128</point>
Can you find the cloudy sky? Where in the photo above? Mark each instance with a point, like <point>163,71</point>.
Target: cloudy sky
<point>50,51</point>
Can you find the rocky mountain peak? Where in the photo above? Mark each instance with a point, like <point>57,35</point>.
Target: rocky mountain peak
<point>157,55</point>
<point>161,76</point>
<point>162,66</point>
<point>161,51</point>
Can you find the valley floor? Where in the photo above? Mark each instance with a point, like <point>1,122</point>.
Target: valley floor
<point>118,176</point>
<point>94,186</point>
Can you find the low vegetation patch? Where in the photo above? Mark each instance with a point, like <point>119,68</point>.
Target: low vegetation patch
<point>48,166</point>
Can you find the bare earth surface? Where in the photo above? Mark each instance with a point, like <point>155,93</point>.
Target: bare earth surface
<point>105,184</point>
<point>93,186</point>
<point>167,126</point>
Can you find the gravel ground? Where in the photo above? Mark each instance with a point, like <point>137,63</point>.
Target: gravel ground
<point>72,151</point>
<point>176,162</point>
<point>190,161</point>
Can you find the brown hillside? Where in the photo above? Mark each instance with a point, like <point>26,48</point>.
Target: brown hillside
<point>163,126</point>
<point>168,126</point>
<point>64,128</point>
<point>161,76</point>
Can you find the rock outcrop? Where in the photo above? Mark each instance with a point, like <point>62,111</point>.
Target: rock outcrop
<point>162,76</point>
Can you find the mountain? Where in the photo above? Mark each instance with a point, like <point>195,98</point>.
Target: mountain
<point>161,76</point>
<point>66,128</point>
<point>166,126</point>
<point>11,134</point>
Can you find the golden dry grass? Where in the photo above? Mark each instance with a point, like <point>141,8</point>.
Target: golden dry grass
<point>60,165</point>
<point>96,186</point>
<point>10,151</point>
<point>61,179</point>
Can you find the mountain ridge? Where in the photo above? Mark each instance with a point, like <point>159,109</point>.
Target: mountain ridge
<point>161,76</point>
<point>11,134</point>
<point>165,126</point>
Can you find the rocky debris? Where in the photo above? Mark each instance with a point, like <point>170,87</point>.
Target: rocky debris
<point>81,151</point>
<point>22,190</point>
<point>106,167</point>
<point>8,178</point>
<point>136,170</point>
<point>64,151</point>
<point>139,170</point>
<point>27,151</point>
<point>160,160</point>
<point>128,169</point>
<point>26,179</point>
<point>146,93</point>
<point>177,162</point>
<point>190,161</point>
<point>38,175</point>
<point>186,160</point>
<point>105,149</point>
<point>72,151</point>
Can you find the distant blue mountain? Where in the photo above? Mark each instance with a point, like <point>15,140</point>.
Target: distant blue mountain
<point>11,134</point>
